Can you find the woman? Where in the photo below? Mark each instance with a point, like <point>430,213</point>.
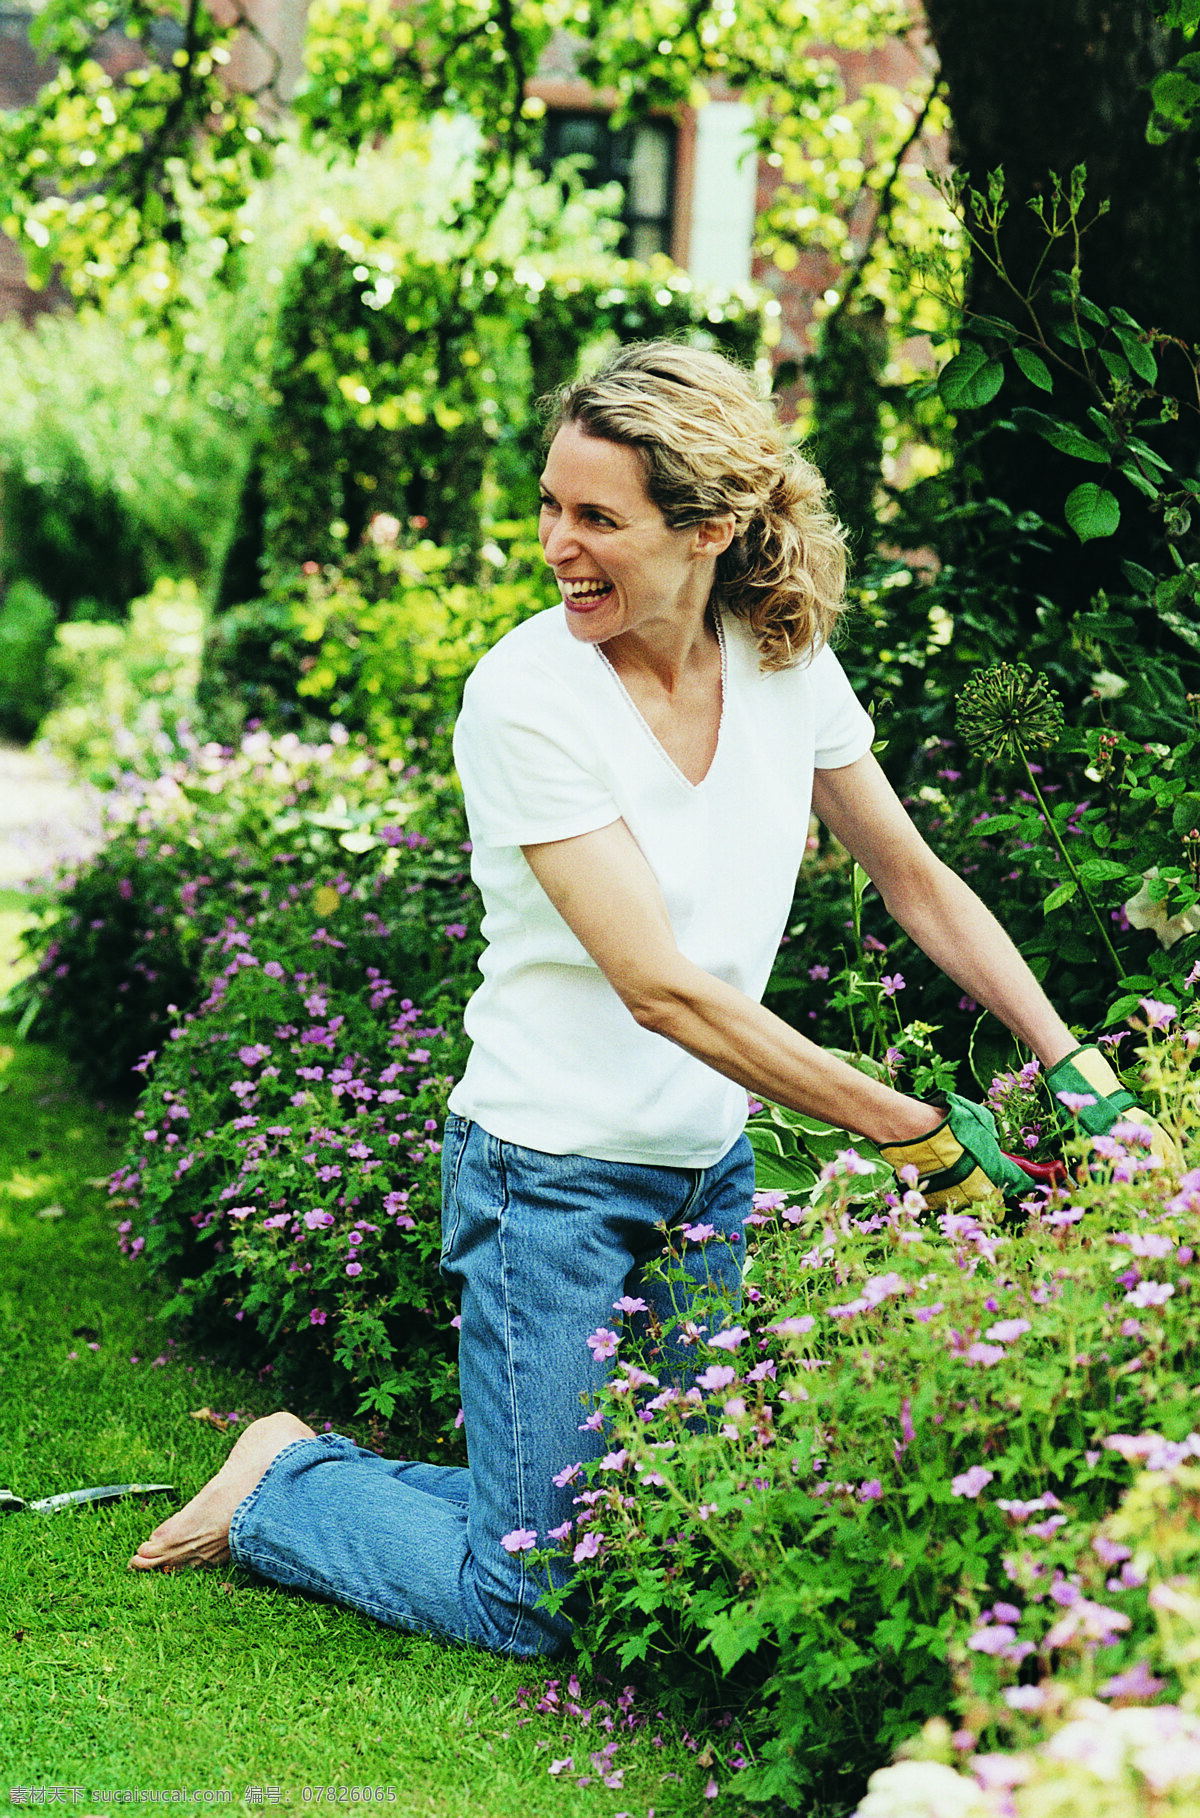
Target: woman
<point>638,767</point>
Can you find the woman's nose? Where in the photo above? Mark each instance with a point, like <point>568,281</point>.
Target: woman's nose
<point>559,541</point>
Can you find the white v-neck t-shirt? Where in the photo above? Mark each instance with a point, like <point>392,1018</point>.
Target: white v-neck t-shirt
<point>550,745</point>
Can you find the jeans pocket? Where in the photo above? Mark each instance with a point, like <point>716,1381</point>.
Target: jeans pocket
<point>454,1145</point>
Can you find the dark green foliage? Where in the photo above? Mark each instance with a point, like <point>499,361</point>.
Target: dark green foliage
<point>74,538</point>
<point>401,384</point>
<point>27,623</point>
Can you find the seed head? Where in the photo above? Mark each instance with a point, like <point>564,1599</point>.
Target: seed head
<point>1007,709</point>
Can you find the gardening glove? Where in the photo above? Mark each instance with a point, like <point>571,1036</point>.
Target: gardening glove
<point>960,1161</point>
<point>1088,1073</point>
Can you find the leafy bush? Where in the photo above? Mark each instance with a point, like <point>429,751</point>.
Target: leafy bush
<point>282,1171</point>
<point>405,383</point>
<point>121,942</point>
<point>119,460</point>
<point>1087,859</point>
<point>125,695</point>
<point>381,642</point>
<point>804,1536</point>
<point>26,638</point>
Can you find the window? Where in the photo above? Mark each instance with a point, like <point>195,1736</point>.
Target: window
<point>640,158</point>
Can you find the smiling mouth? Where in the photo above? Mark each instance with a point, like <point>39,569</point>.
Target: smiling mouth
<point>583,595</point>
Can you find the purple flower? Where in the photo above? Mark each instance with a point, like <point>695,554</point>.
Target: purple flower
<point>1006,1330</point>
<point>871,1491</point>
<point>970,1483</point>
<point>892,982</point>
<point>588,1548</point>
<point>717,1376</point>
<point>629,1304</point>
<point>354,1268</point>
<point>1150,1294</point>
<point>1158,1016</point>
<point>603,1343</point>
<point>456,930</point>
<point>729,1340</point>
<point>992,1638</point>
<point>519,1541</point>
<point>317,1317</point>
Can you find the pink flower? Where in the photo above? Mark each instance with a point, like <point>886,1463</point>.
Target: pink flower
<point>717,1376</point>
<point>970,1483</point>
<point>1076,1101</point>
<point>1005,1330</point>
<point>795,1327</point>
<point>603,1343</point>
<point>871,1491</point>
<point>1150,1294</point>
<point>699,1234</point>
<point>987,1355</point>
<point>567,1475</point>
<point>629,1304</point>
<point>1158,1016</point>
<point>588,1548</point>
<point>317,1317</point>
<point>892,983</point>
<point>353,1268</point>
<point>519,1541</point>
<point>564,1765</point>
<point>730,1339</point>
<point>993,1638</point>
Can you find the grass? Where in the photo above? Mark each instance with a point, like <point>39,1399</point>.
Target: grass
<point>210,1681</point>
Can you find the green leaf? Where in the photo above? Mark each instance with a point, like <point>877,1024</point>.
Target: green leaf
<point>997,823</point>
<point>1063,436</point>
<point>1058,897</point>
<point>1099,871</point>
<point>1034,368</point>
<point>1139,355</point>
<point>1139,578</point>
<point>1117,367</point>
<point>1137,478</point>
<point>1092,512</point>
<point>1120,1010</point>
<point>970,380</point>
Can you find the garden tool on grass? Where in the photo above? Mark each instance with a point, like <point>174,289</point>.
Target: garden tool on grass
<point>960,1161</point>
<point>103,1492</point>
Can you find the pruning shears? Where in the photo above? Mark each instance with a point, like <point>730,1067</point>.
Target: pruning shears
<point>1041,1174</point>
<point>99,1493</point>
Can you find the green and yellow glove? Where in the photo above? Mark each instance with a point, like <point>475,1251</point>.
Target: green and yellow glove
<point>1087,1075</point>
<point>960,1161</point>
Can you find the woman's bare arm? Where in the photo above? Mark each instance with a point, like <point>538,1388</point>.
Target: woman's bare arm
<point>605,891</point>
<point>941,913</point>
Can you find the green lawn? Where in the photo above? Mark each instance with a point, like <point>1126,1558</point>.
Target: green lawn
<point>215,1682</point>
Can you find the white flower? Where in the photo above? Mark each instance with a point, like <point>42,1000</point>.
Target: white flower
<point>1144,913</point>
<point>922,1789</point>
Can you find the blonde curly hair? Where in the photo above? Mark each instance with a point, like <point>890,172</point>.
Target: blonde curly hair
<point>711,447</point>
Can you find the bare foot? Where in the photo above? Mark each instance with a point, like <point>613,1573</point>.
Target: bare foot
<point>199,1534</point>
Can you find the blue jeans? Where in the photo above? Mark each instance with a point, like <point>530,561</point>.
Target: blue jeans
<point>541,1246</point>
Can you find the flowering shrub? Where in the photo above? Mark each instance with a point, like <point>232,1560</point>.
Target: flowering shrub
<point>120,943</point>
<point>1085,1737</point>
<point>876,1502</point>
<point>283,1168</point>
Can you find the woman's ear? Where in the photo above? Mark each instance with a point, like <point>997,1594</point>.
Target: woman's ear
<point>713,537</point>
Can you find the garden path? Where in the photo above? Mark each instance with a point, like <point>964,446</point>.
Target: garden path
<point>45,815</point>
